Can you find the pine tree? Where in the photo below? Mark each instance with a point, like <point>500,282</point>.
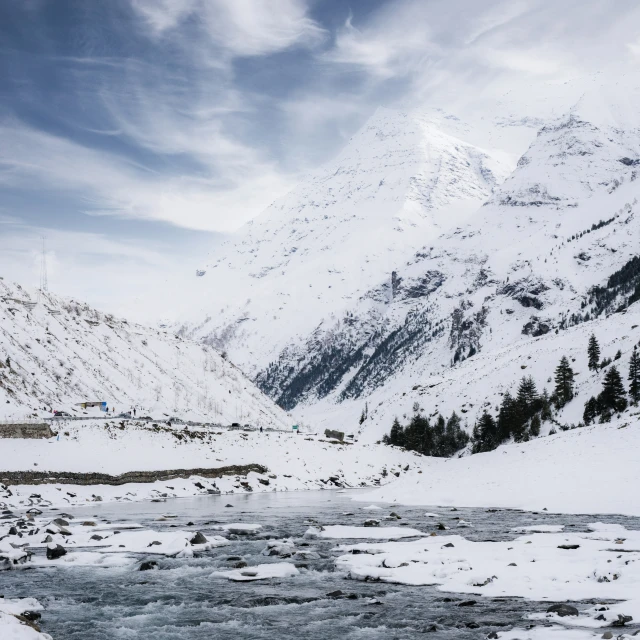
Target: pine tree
<point>593,351</point>
<point>507,417</point>
<point>527,393</point>
<point>634,377</point>
<point>485,434</point>
<point>396,434</point>
<point>439,429</point>
<point>564,381</point>
<point>591,410</point>
<point>613,395</point>
<point>455,436</point>
<point>545,406</point>
<point>535,425</point>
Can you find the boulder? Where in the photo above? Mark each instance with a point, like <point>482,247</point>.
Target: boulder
<point>198,539</point>
<point>563,610</point>
<point>148,565</point>
<point>621,621</point>
<point>31,616</point>
<point>372,523</point>
<point>568,546</point>
<point>61,522</point>
<point>55,551</point>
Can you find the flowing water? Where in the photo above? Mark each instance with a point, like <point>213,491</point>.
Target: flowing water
<point>182,600</point>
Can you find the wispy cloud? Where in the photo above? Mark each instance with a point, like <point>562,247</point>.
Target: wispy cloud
<point>107,184</point>
<point>238,28</point>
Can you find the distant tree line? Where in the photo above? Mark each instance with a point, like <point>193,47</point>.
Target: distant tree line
<point>520,415</point>
<point>440,438</point>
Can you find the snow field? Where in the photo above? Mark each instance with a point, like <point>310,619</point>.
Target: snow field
<point>588,470</point>
<point>293,461</point>
<point>602,565</point>
<point>57,353</point>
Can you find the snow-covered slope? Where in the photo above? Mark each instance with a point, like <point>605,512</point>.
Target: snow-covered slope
<point>588,470</point>
<point>57,353</point>
<point>523,266</point>
<point>290,461</point>
<point>402,180</point>
<point>415,251</point>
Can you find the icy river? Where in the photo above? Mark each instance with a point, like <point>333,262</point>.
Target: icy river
<point>189,598</point>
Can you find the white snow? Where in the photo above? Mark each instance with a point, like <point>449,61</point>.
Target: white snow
<point>604,568</point>
<point>588,470</point>
<point>13,629</point>
<point>369,533</point>
<point>239,527</point>
<point>57,353</point>
<point>260,572</point>
<point>293,461</point>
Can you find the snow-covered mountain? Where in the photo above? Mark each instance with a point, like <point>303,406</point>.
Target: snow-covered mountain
<point>56,353</point>
<point>350,291</point>
<point>401,181</point>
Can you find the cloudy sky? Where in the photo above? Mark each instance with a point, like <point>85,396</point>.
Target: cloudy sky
<point>134,133</point>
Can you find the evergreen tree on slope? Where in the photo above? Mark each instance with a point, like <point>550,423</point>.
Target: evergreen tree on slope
<point>634,377</point>
<point>485,434</point>
<point>593,351</point>
<point>564,381</point>
<point>613,395</point>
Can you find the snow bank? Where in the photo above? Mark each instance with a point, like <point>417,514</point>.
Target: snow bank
<point>370,533</point>
<point>602,565</point>
<point>260,572</point>
<point>294,462</point>
<point>11,628</point>
<point>588,470</point>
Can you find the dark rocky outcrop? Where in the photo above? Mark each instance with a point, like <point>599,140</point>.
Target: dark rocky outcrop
<point>563,610</point>
<point>64,477</point>
<point>55,552</point>
<point>198,539</point>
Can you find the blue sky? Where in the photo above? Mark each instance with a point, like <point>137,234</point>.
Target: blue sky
<point>133,133</point>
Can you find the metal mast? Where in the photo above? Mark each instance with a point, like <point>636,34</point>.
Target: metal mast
<point>44,280</point>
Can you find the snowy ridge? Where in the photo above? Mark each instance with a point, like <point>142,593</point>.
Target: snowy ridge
<point>522,267</point>
<point>401,180</point>
<point>56,353</point>
<point>414,251</point>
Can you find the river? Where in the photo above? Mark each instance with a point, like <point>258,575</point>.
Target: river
<point>183,600</point>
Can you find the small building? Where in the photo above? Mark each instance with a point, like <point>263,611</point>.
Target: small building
<point>92,404</point>
<point>334,435</point>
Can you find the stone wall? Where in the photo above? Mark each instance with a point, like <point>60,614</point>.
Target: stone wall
<point>25,430</point>
<point>62,477</point>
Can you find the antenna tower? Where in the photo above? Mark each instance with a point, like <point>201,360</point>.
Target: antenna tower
<point>44,280</point>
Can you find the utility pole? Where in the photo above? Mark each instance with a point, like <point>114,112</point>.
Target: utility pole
<point>44,280</point>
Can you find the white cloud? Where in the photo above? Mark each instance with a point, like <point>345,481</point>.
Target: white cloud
<point>108,184</point>
<point>238,27</point>
<point>393,42</point>
<point>137,281</point>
